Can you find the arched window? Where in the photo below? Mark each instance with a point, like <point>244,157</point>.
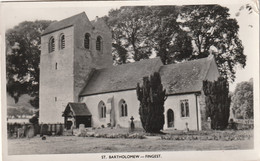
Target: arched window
<point>87,41</point>
<point>123,108</point>
<point>170,118</point>
<point>51,45</point>
<point>62,41</point>
<point>185,108</point>
<point>102,109</point>
<point>98,43</point>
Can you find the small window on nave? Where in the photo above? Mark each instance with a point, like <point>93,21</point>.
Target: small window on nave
<point>102,109</point>
<point>185,108</point>
<point>123,108</point>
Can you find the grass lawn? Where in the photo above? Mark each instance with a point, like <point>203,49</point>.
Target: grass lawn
<point>74,144</point>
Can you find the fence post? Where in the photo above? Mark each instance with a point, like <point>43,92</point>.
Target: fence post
<point>55,129</point>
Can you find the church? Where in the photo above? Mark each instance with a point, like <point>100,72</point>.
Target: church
<point>80,85</point>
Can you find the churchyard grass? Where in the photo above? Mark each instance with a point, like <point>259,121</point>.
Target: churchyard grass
<point>74,144</point>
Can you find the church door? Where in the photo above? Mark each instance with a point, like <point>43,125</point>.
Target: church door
<point>170,118</point>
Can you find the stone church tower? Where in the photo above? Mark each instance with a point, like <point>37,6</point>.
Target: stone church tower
<point>70,51</point>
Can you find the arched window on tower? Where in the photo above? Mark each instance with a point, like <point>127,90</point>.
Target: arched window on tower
<point>51,45</point>
<point>99,43</point>
<point>123,108</point>
<point>87,41</point>
<point>62,41</point>
<point>102,109</point>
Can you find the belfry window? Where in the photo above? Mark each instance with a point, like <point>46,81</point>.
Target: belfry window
<point>98,43</point>
<point>51,45</point>
<point>87,41</point>
<point>185,108</point>
<point>62,41</point>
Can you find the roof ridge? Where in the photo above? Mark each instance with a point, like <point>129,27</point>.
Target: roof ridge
<point>208,67</point>
<point>189,61</point>
<point>76,15</point>
<point>63,23</point>
<point>114,66</point>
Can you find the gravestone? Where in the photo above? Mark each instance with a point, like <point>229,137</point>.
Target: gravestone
<point>20,132</point>
<point>30,132</point>
<point>132,125</point>
<point>82,130</point>
<point>37,129</point>
<point>44,130</point>
<point>187,127</point>
<point>59,129</point>
<point>81,126</point>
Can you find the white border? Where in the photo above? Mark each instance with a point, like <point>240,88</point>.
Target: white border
<point>177,155</point>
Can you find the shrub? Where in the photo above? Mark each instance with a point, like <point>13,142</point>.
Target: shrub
<point>217,102</point>
<point>152,97</point>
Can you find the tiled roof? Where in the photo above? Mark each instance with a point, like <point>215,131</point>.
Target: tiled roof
<point>177,78</point>
<point>185,77</point>
<point>79,109</point>
<point>70,21</point>
<point>121,77</point>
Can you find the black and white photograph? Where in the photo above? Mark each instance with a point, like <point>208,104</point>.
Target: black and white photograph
<point>130,80</point>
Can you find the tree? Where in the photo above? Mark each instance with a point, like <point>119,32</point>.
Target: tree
<point>13,112</point>
<point>35,118</point>
<point>128,31</point>
<point>18,111</point>
<point>217,102</point>
<point>138,31</point>
<point>176,34</point>
<point>242,99</point>
<point>152,97</point>
<point>22,59</point>
<point>212,30</point>
<point>169,41</point>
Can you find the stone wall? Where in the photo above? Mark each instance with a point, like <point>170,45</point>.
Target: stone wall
<point>130,99</point>
<point>86,59</point>
<point>173,103</point>
<point>64,72</point>
<point>203,115</point>
<point>56,84</point>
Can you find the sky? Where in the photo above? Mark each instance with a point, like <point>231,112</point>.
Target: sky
<point>14,13</point>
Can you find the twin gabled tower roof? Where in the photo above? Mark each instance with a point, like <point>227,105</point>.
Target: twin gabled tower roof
<point>71,21</point>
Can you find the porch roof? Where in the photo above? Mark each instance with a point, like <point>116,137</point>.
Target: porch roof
<point>78,109</point>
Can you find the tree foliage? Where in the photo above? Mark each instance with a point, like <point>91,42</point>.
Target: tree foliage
<point>128,32</point>
<point>169,41</point>
<point>23,58</point>
<point>217,102</point>
<point>152,97</point>
<point>176,34</point>
<point>35,118</point>
<point>16,112</point>
<point>242,99</point>
<point>212,30</point>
